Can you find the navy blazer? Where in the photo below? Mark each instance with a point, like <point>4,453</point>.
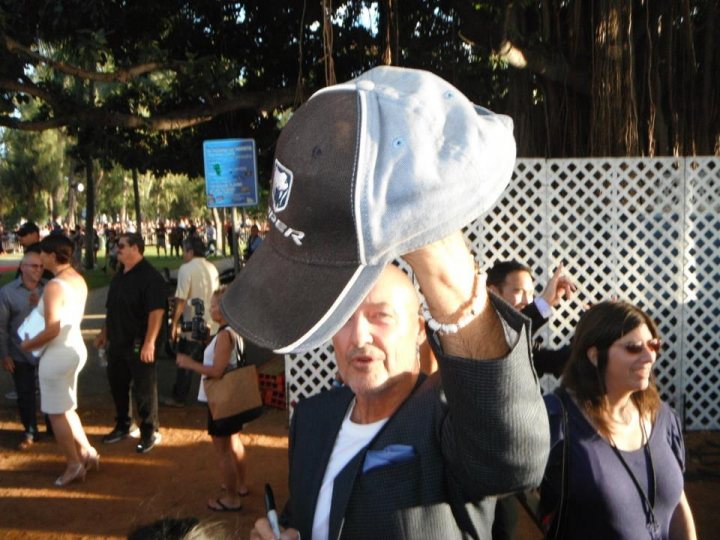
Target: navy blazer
<point>476,429</point>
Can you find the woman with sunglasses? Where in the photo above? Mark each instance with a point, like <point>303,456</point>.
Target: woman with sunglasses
<point>624,461</point>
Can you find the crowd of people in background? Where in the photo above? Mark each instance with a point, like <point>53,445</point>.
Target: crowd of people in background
<point>161,233</point>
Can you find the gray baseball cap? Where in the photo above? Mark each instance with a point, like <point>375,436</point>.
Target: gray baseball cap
<point>365,172</point>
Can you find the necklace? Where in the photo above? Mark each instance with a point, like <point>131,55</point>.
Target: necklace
<point>650,521</point>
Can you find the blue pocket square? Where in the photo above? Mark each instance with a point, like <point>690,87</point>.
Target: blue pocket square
<point>394,453</point>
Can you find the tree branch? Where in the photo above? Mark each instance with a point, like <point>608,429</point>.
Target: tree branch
<point>119,75</point>
<point>176,120</point>
<point>549,66</point>
<point>27,88</point>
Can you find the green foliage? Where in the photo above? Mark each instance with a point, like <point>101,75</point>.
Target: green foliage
<point>143,84</point>
<point>32,174</point>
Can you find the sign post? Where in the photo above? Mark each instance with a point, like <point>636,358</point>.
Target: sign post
<point>231,178</point>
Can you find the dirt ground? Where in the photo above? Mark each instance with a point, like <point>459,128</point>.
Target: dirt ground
<point>176,478</point>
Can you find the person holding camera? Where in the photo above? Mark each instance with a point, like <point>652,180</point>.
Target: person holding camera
<point>135,309</point>
<point>197,279</point>
<point>222,354</point>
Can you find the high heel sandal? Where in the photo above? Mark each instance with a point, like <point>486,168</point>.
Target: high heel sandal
<point>75,471</point>
<point>92,460</point>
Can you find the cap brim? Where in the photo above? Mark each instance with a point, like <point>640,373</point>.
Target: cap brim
<point>290,306</point>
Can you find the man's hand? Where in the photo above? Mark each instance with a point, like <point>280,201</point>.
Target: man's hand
<point>184,360</point>
<point>100,340</point>
<point>560,287</point>
<point>9,364</point>
<point>262,531</point>
<point>445,271</point>
<point>147,353</point>
<point>25,344</point>
<point>174,331</point>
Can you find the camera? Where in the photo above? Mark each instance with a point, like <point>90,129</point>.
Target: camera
<point>197,326</point>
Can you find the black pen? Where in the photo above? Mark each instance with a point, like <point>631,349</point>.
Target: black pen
<point>271,513</point>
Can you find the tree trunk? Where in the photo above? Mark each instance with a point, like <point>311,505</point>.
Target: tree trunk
<point>72,201</point>
<point>388,30</point>
<point>136,193</point>
<point>123,207</point>
<point>89,214</point>
<point>705,143</point>
<point>614,113</point>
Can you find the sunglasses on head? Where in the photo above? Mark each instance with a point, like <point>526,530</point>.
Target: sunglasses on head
<point>653,345</point>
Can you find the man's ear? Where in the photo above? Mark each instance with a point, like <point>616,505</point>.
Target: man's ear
<point>592,354</point>
<point>493,289</point>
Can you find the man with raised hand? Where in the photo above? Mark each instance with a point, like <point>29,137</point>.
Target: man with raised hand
<point>393,164</point>
<point>513,282</point>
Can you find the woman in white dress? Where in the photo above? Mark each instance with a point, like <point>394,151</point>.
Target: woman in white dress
<point>64,355</point>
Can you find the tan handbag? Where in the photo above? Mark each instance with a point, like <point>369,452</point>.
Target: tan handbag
<point>237,392</point>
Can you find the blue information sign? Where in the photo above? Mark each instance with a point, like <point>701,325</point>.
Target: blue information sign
<point>230,173</point>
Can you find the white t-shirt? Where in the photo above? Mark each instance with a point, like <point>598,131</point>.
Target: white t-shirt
<point>197,278</point>
<point>350,440</point>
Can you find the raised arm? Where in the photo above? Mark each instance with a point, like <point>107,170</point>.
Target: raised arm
<point>496,435</point>
<point>446,273</point>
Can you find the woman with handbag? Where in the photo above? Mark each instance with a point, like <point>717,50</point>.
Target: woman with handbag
<point>624,453</point>
<point>223,353</point>
<point>64,355</point>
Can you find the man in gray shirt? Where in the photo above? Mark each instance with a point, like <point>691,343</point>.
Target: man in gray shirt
<point>17,299</point>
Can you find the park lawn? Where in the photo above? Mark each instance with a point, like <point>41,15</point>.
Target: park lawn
<point>96,278</point>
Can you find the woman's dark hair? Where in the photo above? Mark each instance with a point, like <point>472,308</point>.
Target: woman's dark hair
<point>60,245</point>
<point>601,326</point>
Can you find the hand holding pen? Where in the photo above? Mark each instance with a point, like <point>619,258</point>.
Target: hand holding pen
<point>268,528</point>
<point>271,512</point>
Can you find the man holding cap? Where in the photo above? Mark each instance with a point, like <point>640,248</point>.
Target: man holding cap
<point>393,164</point>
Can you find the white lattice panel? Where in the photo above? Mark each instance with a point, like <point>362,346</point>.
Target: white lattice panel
<point>645,230</point>
<point>701,294</point>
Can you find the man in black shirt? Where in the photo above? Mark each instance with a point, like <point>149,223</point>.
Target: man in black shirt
<point>135,308</point>
<point>29,237</point>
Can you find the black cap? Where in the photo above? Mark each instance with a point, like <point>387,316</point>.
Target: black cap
<point>26,228</point>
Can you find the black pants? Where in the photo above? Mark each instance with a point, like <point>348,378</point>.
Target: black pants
<point>184,377</point>
<point>24,378</point>
<point>125,368</point>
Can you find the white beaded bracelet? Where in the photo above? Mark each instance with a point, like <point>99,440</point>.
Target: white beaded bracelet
<point>463,321</point>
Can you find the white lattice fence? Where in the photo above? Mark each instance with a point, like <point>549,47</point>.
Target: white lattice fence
<point>645,230</point>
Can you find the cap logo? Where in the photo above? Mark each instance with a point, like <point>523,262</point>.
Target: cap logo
<point>282,184</point>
